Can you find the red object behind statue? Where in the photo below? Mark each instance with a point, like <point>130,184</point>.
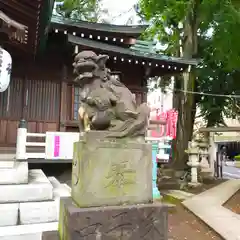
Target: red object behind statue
<point>168,130</point>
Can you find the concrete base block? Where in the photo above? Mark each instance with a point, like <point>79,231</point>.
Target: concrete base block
<point>26,232</point>
<point>48,211</point>
<point>55,183</point>
<point>9,214</point>
<point>7,164</point>
<point>33,236</point>
<point>16,175</point>
<point>128,222</point>
<point>39,188</point>
<point>7,160</point>
<point>38,212</point>
<point>59,191</point>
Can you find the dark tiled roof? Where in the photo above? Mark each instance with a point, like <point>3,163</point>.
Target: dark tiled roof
<point>133,51</point>
<point>103,27</point>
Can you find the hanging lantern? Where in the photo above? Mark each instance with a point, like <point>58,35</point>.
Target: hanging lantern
<point>5,69</point>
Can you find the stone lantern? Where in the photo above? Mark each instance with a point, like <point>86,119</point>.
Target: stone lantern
<point>193,162</point>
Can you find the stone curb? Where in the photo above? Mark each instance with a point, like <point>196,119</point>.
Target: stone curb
<point>208,207</point>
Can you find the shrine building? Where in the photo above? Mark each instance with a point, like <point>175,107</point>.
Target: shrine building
<point>42,90</point>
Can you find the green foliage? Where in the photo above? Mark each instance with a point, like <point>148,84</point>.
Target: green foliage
<point>237,158</point>
<point>220,51</point>
<point>79,9</point>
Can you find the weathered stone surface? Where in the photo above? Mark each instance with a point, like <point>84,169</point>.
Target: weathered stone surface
<point>9,214</point>
<point>113,172</point>
<point>50,236</point>
<point>136,222</point>
<point>38,212</point>
<point>39,188</point>
<point>16,175</point>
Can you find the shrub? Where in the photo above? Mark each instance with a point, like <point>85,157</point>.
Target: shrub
<point>237,158</point>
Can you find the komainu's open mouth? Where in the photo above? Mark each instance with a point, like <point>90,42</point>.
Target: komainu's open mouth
<point>82,66</point>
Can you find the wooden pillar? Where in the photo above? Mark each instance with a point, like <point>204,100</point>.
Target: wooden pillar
<point>24,98</point>
<point>63,100</point>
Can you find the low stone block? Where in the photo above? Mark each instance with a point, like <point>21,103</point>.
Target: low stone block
<point>48,211</point>
<point>39,188</point>
<point>142,221</point>
<point>26,232</point>
<point>60,190</point>
<point>9,214</point>
<point>50,236</point>
<point>16,175</point>
<point>33,236</point>
<point>55,183</point>
<point>111,172</point>
<point>7,164</point>
<point>66,187</point>
<point>7,160</point>
<point>38,212</point>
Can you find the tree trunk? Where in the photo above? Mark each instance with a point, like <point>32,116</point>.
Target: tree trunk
<point>186,107</point>
<point>183,100</point>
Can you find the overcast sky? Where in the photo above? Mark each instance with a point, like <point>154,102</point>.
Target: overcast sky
<point>119,10</point>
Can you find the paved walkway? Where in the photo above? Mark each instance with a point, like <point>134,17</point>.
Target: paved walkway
<point>208,207</point>
<point>230,171</point>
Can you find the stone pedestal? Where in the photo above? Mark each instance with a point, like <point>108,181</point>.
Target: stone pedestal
<point>112,196</point>
<point>128,222</point>
<point>111,172</point>
<point>29,201</point>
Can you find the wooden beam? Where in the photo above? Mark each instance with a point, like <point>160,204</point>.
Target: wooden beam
<point>220,129</point>
<point>18,7</point>
<point>11,22</point>
<point>33,4</point>
<point>14,29</point>
<point>18,16</point>
<point>63,101</point>
<point>22,47</point>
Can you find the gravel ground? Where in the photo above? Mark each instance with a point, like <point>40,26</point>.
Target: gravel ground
<point>184,225</point>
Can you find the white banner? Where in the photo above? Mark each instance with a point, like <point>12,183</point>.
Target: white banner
<point>59,145</point>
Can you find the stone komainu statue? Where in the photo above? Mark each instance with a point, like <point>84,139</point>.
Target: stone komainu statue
<point>106,104</point>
